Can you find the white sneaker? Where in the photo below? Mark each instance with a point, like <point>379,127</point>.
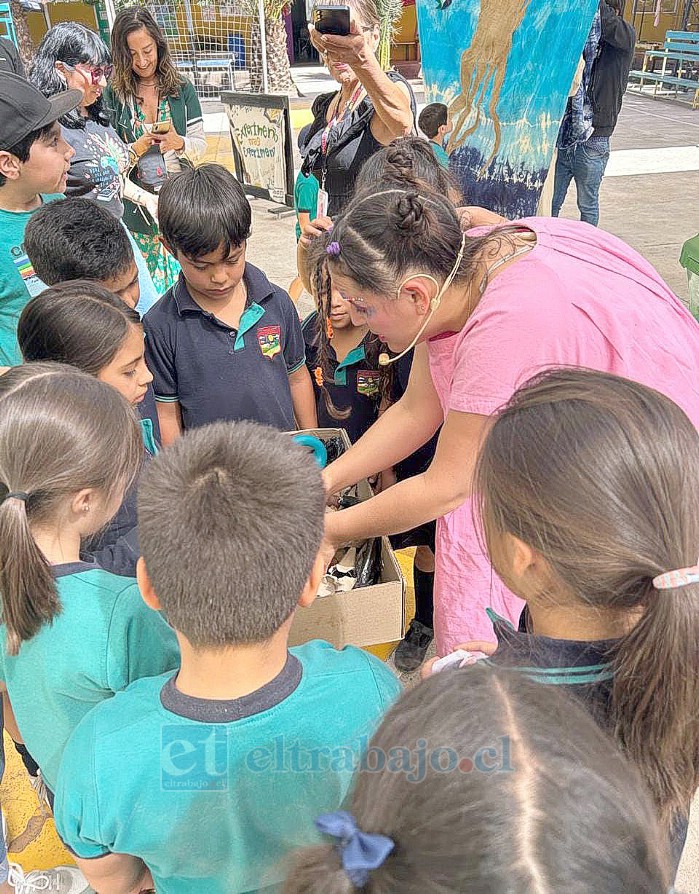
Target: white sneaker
<point>61,880</point>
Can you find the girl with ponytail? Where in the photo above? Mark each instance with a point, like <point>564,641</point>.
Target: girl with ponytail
<point>482,782</point>
<point>588,490</point>
<point>71,634</point>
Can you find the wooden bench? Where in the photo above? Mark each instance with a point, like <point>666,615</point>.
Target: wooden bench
<point>679,67</point>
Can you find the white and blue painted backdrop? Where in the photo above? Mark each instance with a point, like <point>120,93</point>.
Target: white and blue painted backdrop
<point>504,68</point>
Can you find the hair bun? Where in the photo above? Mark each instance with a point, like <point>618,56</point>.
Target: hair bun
<point>410,211</point>
<point>401,161</point>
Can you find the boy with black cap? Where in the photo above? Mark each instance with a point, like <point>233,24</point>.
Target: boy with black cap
<point>34,161</point>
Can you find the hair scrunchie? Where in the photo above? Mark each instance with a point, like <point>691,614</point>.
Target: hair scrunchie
<point>360,852</point>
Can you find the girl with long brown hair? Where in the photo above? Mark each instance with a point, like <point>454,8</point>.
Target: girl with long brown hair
<point>147,89</point>
<point>495,786</point>
<point>72,634</point>
<point>588,492</point>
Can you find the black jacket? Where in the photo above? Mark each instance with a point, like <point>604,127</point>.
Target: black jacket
<point>9,58</point>
<point>610,72</point>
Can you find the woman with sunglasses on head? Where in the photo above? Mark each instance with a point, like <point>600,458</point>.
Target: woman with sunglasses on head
<point>157,112</point>
<point>72,56</point>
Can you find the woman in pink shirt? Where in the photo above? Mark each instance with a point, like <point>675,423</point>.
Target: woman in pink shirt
<point>489,308</point>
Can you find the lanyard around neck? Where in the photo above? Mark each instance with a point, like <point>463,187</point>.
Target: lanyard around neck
<point>349,108</point>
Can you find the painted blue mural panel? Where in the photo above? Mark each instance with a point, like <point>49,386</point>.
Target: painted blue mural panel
<point>504,68</point>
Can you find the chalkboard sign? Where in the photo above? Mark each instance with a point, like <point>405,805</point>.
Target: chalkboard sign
<point>260,127</point>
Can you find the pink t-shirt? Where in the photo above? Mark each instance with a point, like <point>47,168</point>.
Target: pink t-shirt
<point>580,297</point>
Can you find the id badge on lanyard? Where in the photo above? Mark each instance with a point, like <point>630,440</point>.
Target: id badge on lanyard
<point>322,204</point>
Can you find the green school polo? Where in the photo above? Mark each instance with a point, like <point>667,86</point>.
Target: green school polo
<point>225,790</point>
<point>104,638</point>
<point>18,282</point>
<point>306,191</point>
<point>440,154</point>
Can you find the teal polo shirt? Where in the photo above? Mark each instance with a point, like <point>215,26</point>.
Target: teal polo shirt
<point>214,796</point>
<point>18,281</point>
<point>104,638</point>
<point>355,383</point>
<point>306,191</point>
<point>217,372</point>
<point>440,154</point>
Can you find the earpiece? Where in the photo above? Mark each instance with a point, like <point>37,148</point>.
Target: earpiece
<point>385,359</point>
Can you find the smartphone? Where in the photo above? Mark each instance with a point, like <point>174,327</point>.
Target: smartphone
<point>160,128</point>
<point>328,19</point>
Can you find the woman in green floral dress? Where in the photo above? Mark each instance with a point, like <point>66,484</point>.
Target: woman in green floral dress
<point>157,113</point>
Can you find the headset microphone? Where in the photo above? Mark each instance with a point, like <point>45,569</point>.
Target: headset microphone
<point>384,358</point>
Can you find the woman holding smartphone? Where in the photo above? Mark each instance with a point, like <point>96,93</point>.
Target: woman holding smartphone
<point>157,113</point>
<point>72,56</point>
<point>371,109</point>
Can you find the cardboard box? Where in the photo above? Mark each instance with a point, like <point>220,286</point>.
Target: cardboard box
<point>365,616</point>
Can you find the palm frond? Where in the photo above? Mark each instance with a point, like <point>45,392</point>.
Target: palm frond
<point>390,12</point>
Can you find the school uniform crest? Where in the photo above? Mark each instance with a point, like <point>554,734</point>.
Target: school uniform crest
<point>269,340</point>
<point>368,382</point>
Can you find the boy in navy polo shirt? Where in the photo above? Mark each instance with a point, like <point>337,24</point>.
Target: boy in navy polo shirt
<point>224,343</point>
<point>208,779</point>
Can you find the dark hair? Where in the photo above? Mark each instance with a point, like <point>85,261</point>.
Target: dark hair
<point>231,517</point>
<point>616,6</point>
<point>72,43</point>
<point>406,163</point>
<point>76,239</point>
<point>23,149</point>
<point>517,790</point>
<point>432,117</point>
<point>203,209</point>
<point>77,323</point>
<point>321,288</point>
<point>49,415</point>
<point>385,235</point>
<point>601,476</point>
<point>124,81</point>
<point>303,135</point>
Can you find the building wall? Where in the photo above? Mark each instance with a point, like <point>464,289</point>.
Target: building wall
<point>61,12</point>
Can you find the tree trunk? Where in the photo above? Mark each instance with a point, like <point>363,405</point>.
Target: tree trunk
<point>24,38</point>
<point>278,70</point>
<point>255,62</point>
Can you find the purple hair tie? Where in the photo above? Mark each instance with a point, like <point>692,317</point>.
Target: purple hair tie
<point>333,249</point>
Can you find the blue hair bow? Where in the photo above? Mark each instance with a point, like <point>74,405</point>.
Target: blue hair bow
<point>360,851</point>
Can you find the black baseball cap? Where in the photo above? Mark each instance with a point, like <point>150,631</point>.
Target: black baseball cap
<point>23,109</point>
